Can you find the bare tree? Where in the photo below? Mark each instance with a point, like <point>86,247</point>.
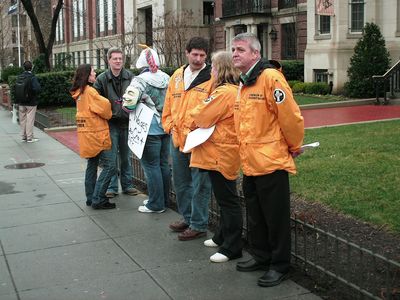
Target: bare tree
<point>5,33</point>
<point>45,49</point>
<point>171,33</point>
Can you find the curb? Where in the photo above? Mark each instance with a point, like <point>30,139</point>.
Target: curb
<point>61,128</point>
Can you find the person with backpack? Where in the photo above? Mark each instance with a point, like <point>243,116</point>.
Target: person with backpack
<point>27,87</point>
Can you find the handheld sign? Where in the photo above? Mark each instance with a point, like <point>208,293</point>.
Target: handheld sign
<point>139,126</point>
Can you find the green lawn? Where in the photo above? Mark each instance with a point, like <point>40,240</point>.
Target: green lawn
<point>67,113</point>
<point>303,99</point>
<point>67,110</point>
<point>356,170</point>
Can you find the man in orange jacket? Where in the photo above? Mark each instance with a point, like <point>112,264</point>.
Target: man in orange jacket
<point>270,131</point>
<point>187,88</point>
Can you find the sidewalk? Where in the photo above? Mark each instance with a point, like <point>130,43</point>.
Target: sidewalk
<point>54,247</point>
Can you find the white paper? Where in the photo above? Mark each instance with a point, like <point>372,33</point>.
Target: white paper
<point>309,146</point>
<point>197,137</point>
<point>139,126</point>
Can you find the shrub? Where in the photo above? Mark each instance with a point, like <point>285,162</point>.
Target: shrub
<point>56,85</point>
<point>370,58</point>
<point>10,71</point>
<point>293,82</point>
<point>318,88</point>
<point>293,69</point>
<point>299,87</point>
<point>55,88</point>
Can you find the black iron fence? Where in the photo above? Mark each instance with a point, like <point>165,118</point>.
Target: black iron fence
<point>362,273</point>
<point>388,83</point>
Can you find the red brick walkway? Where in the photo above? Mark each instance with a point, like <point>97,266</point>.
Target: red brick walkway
<point>312,118</point>
<point>346,115</point>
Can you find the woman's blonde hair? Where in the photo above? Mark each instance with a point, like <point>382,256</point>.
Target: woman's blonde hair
<point>226,72</point>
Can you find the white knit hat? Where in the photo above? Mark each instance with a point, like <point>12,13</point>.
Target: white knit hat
<point>148,58</point>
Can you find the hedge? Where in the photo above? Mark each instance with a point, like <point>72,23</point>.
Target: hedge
<point>56,85</point>
<point>293,69</point>
<point>318,88</point>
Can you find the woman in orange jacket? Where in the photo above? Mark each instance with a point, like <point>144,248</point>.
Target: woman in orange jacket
<point>220,155</point>
<point>92,113</point>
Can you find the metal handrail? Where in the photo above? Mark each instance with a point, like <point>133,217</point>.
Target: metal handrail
<point>392,76</point>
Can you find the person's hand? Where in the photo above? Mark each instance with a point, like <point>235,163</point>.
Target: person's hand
<point>296,153</point>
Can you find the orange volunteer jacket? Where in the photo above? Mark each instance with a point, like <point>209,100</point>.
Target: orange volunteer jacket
<point>176,119</point>
<point>268,122</point>
<point>221,151</point>
<point>92,113</point>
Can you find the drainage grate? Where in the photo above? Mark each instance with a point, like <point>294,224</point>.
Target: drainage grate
<point>27,165</point>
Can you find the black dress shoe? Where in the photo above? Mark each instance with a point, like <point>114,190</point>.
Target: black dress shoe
<point>104,205</point>
<point>271,278</point>
<point>251,265</point>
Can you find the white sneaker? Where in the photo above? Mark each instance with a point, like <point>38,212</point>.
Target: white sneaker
<point>145,201</point>
<point>32,140</point>
<point>219,258</point>
<point>144,209</point>
<point>210,243</point>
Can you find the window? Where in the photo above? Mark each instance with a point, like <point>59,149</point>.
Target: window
<point>148,15</point>
<point>324,25</point>
<point>208,12</point>
<point>106,17</point>
<point>78,20</point>
<point>398,17</point>
<point>289,50</point>
<point>286,4</point>
<point>321,75</point>
<point>14,37</point>
<point>60,27</point>
<point>98,58</point>
<point>356,15</point>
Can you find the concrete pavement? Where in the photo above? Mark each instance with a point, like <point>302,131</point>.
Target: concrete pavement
<point>54,247</point>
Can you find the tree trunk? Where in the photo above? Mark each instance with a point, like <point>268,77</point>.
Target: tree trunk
<point>43,49</point>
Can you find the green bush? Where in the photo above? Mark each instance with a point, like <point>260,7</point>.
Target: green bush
<point>293,82</point>
<point>55,88</point>
<point>299,88</point>
<point>56,85</point>
<point>10,71</point>
<point>370,58</point>
<point>316,88</point>
<point>293,69</point>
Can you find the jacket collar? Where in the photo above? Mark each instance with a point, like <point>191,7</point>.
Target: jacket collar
<point>124,74</point>
<point>258,69</point>
<point>203,76</point>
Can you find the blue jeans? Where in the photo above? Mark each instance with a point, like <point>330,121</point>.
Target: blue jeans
<point>193,190</point>
<point>95,188</point>
<point>156,169</point>
<point>119,140</point>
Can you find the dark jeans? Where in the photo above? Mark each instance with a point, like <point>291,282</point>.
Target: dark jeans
<point>229,232</point>
<point>268,211</point>
<point>157,171</point>
<point>95,188</point>
<point>119,140</point>
<point>193,190</point>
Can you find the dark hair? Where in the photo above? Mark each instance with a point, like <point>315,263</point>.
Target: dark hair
<point>81,77</point>
<point>27,65</point>
<point>197,42</point>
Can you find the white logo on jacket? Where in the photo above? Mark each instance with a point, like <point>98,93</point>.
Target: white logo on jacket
<point>279,96</point>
